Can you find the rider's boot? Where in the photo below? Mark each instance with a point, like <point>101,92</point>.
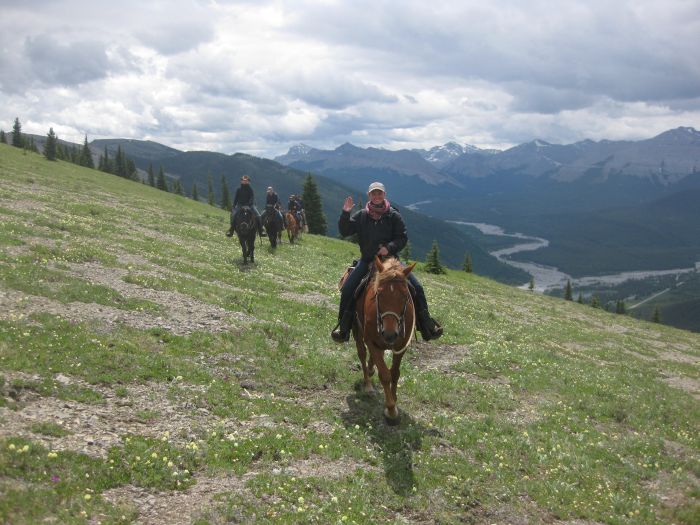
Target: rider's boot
<point>427,326</point>
<point>341,333</point>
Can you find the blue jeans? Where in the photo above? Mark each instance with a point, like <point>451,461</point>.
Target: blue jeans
<point>353,280</point>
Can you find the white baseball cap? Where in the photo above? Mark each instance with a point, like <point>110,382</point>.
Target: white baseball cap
<point>376,186</point>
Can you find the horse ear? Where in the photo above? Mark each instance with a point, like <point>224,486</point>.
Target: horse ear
<point>379,264</point>
<point>408,269</point>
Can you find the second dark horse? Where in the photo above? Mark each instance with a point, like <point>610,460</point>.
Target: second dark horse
<point>272,221</point>
<point>245,227</point>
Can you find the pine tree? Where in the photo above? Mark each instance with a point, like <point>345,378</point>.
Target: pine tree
<point>120,163</point>
<point>3,137</point>
<point>151,176</point>
<point>32,145</point>
<point>405,254</point>
<point>210,192</point>
<point>432,260</point>
<point>195,193</point>
<point>656,316</point>
<point>131,172</point>
<point>531,286</point>
<point>467,266</point>
<point>50,145</point>
<point>580,298</point>
<point>86,156</point>
<point>17,138</point>
<point>313,209</point>
<point>595,302</point>
<point>620,307</point>
<point>225,197</point>
<point>568,292</point>
<point>177,187</point>
<point>161,183</point>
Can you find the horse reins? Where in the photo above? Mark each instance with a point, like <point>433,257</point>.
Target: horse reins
<point>401,319</point>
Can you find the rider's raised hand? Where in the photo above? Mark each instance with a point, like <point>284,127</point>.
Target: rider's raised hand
<point>348,204</point>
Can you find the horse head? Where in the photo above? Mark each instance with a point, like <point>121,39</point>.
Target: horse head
<point>244,221</point>
<point>392,301</point>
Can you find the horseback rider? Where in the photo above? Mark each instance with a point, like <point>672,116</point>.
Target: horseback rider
<point>301,216</point>
<point>381,232</point>
<point>272,202</point>
<point>244,197</point>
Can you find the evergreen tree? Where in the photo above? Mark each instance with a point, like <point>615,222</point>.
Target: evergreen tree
<point>86,155</point>
<point>3,138</point>
<point>620,307</point>
<point>120,163</point>
<point>17,138</point>
<point>225,197</point>
<point>210,192</point>
<point>432,260</point>
<point>580,298</point>
<point>151,176</point>
<point>405,254</point>
<point>313,209</point>
<point>131,172</point>
<point>177,187</point>
<point>568,292</point>
<point>595,302</point>
<point>50,145</point>
<point>32,145</point>
<point>195,193</point>
<point>656,316</point>
<point>531,286</point>
<point>161,183</point>
<point>467,266</point>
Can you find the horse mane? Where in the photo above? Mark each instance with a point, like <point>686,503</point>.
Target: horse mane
<point>392,270</point>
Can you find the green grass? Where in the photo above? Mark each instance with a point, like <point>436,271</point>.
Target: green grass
<point>529,407</point>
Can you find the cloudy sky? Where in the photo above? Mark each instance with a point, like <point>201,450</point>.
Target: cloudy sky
<point>259,76</point>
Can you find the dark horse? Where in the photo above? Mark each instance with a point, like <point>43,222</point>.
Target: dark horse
<point>272,222</point>
<point>385,320</point>
<point>292,226</point>
<point>245,227</point>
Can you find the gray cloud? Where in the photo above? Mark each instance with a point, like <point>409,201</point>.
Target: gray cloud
<point>61,64</point>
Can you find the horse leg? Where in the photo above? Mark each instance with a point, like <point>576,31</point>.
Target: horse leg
<point>391,413</point>
<point>395,374</point>
<point>363,355</point>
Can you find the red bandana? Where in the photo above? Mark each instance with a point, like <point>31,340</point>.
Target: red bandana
<point>377,210</point>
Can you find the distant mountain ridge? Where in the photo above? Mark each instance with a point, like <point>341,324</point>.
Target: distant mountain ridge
<point>666,158</point>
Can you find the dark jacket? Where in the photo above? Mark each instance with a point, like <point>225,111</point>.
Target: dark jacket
<point>271,199</point>
<point>389,231</point>
<point>244,196</point>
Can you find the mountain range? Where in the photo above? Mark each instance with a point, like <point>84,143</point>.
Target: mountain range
<point>551,191</point>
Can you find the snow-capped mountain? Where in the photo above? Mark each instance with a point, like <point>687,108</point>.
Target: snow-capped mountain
<point>441,155</point>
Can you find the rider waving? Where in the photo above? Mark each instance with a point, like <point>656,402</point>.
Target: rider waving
<point>381,231</point>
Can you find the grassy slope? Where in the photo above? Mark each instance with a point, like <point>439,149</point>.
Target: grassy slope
<point>530,409</point>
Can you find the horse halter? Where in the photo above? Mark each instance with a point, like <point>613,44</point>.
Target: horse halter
<point>400,318</point>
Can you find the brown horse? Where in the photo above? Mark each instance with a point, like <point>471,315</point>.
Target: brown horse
<point>385,320</point>
<point>292,226</point>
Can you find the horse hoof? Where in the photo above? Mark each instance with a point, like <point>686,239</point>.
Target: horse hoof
<point>391,421</point>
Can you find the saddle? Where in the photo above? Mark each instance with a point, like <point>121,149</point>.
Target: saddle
<point>363,283</point>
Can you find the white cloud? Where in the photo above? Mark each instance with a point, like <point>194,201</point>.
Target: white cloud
<point>260,76</point>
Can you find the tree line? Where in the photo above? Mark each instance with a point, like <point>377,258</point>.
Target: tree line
<point>122,166</point>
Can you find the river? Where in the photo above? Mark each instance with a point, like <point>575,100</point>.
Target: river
<point>549,277</point>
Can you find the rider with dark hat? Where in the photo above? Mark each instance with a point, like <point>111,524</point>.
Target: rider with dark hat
<point>381,232</point>
<point>244,197</point>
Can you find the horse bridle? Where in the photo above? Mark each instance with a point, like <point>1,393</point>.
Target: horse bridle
<point>400,318</point>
